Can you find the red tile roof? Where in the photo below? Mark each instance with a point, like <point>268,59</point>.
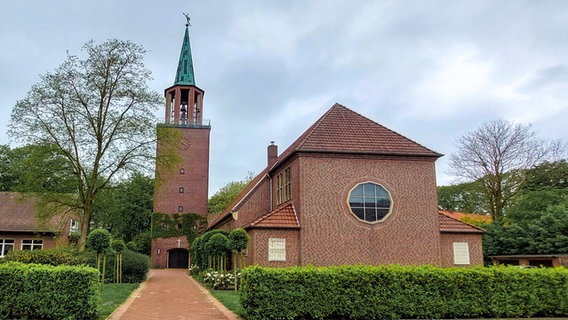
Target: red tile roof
<point>284,217</point>
<point>339,130</point>
<point>453,225</point>
<point>474,217</point>
<point>342,130</point>
<point>18,213</point>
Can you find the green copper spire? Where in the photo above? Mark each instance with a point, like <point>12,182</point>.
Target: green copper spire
<point>184,75</point>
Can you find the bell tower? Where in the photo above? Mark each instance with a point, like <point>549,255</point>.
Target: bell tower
<point>182,179</point>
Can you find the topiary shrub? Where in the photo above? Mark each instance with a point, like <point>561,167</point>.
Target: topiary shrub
<point>131,245</point>
<point>54,257</point>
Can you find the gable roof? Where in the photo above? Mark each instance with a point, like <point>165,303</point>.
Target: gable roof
<point>449,224</point>
<point>341,130</point>
<point>18,214</point>
<point>284,217</point>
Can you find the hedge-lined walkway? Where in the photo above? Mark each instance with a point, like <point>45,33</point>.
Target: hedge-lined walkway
<point>171,294</point>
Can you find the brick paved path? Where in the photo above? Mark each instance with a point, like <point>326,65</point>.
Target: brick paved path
<point>171,294</point>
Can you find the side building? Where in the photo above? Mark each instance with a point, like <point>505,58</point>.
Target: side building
<point>349,191</point>
<point>182,166</point>
<point>20,229</point>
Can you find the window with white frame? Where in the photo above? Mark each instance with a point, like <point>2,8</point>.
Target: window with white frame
<point>6,245</point>
<point>461,253</point>
<point>73,226</point>
<point>34,244</point>
<point>276,249</point>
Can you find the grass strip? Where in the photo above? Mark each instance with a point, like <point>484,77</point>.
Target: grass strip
<point>113,295</point>
<point>229,298</point>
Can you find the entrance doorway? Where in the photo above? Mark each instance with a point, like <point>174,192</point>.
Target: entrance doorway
<point>178,258</point>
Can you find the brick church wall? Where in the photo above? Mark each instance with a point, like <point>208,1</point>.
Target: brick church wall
<point>331,235</point>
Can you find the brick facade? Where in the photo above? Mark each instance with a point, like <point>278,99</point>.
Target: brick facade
<point>340,151</point>
<point>161,248</point>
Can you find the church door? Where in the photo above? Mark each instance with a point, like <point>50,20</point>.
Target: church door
<point>178,258</point>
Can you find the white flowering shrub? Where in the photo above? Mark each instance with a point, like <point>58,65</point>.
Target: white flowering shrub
<point>219,280</point>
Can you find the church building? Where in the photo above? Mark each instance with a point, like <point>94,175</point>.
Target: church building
<point>347,191</point>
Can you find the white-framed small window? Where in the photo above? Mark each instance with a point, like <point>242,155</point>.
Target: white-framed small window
<point>181,189</point>
<point>461,253</point>
<point>180,209</point>
<point>73,226</point>
<point>6,245</point>
<point>276,249</point>
<point>32,244</point>
<point>182,171</point>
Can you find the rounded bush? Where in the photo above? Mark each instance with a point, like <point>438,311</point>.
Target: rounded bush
<point>99,240</point>
<point>118,245</point>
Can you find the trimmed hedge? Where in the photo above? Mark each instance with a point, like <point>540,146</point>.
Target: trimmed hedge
<point>33,291</point>
<point>393,292</point>
<point>54,257</point>
<point>135,266</point>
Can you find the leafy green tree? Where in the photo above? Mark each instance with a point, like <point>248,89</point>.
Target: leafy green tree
<point>497,155</point>
<point>537,223</point>
<point>7,178</point>
<point>37,168</point>
<point>464,197</point>
<point>98,113</point>
<point>125,208</point>
<point>222,198</point>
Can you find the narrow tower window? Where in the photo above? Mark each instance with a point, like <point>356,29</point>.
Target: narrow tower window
<point>181,190</point>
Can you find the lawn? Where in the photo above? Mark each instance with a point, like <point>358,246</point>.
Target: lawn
<point>229,298</point>
<point>113,295</point>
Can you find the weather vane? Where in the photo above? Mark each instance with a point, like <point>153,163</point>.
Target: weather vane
<point>188,19</point>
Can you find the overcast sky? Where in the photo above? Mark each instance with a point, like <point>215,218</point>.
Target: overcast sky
<point>430,70</point>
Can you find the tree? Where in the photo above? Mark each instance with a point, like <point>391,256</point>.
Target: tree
<point>35,168</point>
<point>125,208</point>
<point>464,197</point>
<point>497,155</point>
<point>222,198</point>
<point>98,113</point>
<point>537,222</point>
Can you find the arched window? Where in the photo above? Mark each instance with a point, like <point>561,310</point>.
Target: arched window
<point>370,202</point>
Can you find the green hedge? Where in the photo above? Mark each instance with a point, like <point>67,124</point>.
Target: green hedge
<point>33,291</point>
<point>393,292</point>
<point>135,266</point>
<point>54,257</point>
